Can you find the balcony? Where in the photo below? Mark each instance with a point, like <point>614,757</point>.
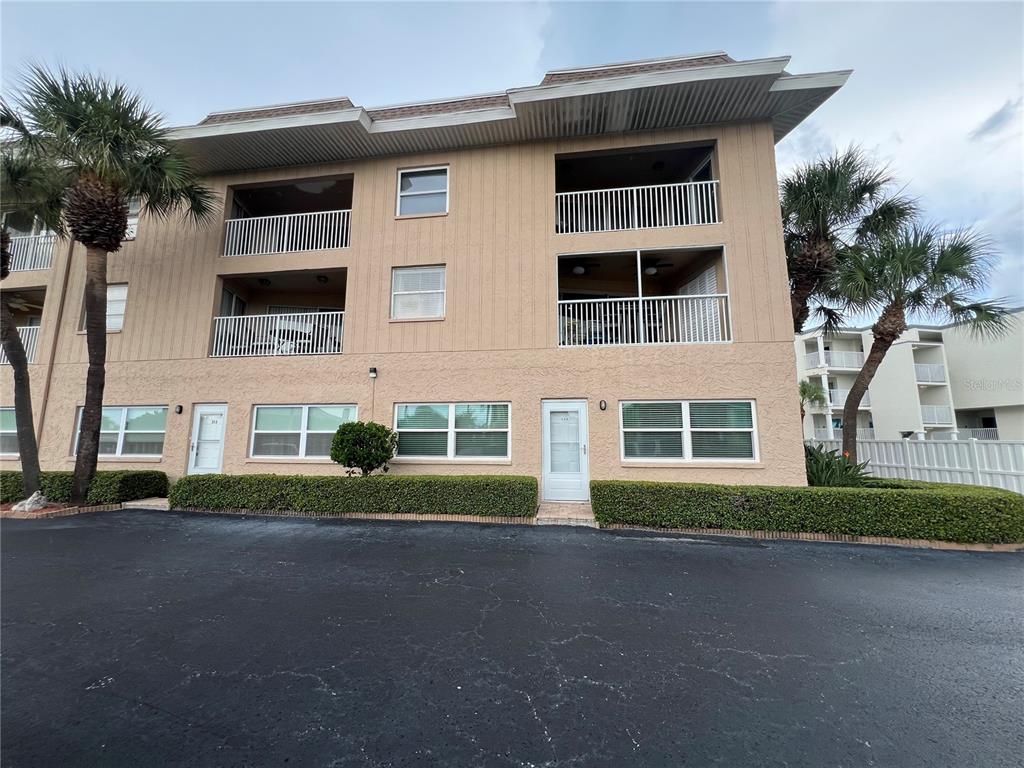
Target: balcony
<point>641,188</point>
<point>835,359</point>
<point>642,297</point>
<point>930,373</point>
<point>280,314</point>
<point>29,339</point>
<point>837,399</point>
<point>32,252</point>
<point>312,215</point>
<point>863,433</point>
<point>937,414</point>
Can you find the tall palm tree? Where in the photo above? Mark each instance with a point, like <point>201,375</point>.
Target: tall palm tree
<point>828,206</point>
<point>33,189</point>
<point>811,393</point>
<point>915,270</point>
<point>114,148</point>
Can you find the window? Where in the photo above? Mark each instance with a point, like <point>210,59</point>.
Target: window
<point>453,430</point>
<point>231,304</point>
<point>299,431</point>
<point>129,430</point>
<point>698,430</point>
<point>8,433</point>
<point>117,300</point>
<point>134,209</point>
<point>422,191</point>
<point>417,293</point>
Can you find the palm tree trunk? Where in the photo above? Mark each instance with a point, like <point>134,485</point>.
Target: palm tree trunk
<point>96,341</point>
<point>799,295</point>
<point>28,450</point>
<point>891,323</point>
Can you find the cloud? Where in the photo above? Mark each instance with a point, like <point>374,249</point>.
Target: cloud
<point>999,120</point>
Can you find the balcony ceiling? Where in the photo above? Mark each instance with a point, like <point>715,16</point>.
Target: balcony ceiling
<point>644,96</point>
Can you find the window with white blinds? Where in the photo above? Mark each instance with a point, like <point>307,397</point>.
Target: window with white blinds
<point>681,430</point>
<point>417,292</point>
<point>453,430</point>
<point>8,433</point>
<point>298,431</point>
<point>129,430</point>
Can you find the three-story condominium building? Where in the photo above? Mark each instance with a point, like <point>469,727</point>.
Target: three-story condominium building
<point>579,279</point>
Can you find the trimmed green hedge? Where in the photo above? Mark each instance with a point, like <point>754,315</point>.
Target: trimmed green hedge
<point>901,509</point>
<point>493,495</point>
<point>108,487</point>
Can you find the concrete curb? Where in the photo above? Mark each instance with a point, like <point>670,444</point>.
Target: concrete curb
<point>50,513</point>
<point>828,538</point>
<point>399,516</point>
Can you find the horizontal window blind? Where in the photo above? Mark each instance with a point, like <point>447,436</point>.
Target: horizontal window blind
<point>300,431</point>
<point>688,430</point>
<point>453,431</point>
<point>129,431</point>
<point>417,292</point>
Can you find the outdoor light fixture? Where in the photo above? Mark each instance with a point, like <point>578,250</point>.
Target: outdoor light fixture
<point>178,409</point>
<point>650,270</point>
<point>603,405</point>
<point>373,373</point>
<point>579,270</point>
<point>321,278</point>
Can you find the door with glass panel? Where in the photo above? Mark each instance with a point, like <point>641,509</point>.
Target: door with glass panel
<point>206,450</point>
<point>566,472</point>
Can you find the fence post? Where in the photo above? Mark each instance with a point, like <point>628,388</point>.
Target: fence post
<point>906,458</point>
<point>975,461</point>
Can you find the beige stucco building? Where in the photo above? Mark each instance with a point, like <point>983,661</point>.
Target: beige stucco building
<point>579,279</point>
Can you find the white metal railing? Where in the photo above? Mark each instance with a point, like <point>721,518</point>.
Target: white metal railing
<point>837,398</point>
<point>936,414</point>
<point>978,433</point>
<point>29,339</point>
<point>32,252</point>
<point>288,232</point>
<point>659,320</point>
<point>295,333</point>
<point>659,205</point>
<point>836,359</point>
<point>930,372</point>
<point>863,433</point>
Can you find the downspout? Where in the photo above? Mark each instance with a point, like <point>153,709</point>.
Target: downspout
<point>61,299</point>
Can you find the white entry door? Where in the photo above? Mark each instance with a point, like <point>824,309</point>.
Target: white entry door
<point>566,475</point>
<point>206,450</point>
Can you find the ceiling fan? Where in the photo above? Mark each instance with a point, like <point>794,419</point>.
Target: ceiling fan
<point>19,304</point>
<point>581,267</point>
<point>652,264</point>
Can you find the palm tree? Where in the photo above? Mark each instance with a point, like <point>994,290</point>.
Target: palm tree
<point>34,190</point>
<point>811,393</point>
<point>914,270</point>
<point>114,149</point>
<point>828,206</point>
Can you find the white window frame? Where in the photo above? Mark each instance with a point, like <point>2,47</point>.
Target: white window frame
<point>452,431</point>
<point>400,194</point>
<point>443,292</point>
<point>133,218</point>
<point>106,319</point>
<point>11,432</point>
<point>120,434</point>
<point>687,430</point>
<point>303,431</point>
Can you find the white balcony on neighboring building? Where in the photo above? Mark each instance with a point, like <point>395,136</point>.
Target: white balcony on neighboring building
<point>837,399</point>
<point>930,373</point>
<point>29,339</point>
<point>32,252</point>
<point>650,207</point>
<point>658,320</point>
<point>936,414</point>
<point>287,233</point>
<point>272,335</point>
<point>864,433</point>
<point>835,359</point>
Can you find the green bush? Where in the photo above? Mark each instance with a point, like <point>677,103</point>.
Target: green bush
<point>900,509</point>
<point>108,487</point>
<point>829,469</point>
<point>495,495</point>
<point>364,445</point>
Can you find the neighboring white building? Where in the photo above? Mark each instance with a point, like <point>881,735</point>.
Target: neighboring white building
<point>936,382</point>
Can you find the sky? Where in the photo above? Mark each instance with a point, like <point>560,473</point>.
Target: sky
<point>936,93</point>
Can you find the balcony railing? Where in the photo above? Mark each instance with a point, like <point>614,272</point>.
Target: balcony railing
<point>288,232</point>
<point>660,205</point>
<point>965,433</point>
<point>32,252</point>
<point>837,398</point>
<point>29,339</point>
<point>661,320</point>
<point>297,333</point>
<point>835,359</point>
<point>936,414</point>
<point>863,433</point>
<point>930,373</point>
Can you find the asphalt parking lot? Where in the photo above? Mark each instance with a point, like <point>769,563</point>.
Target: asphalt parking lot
<point>156,638</point>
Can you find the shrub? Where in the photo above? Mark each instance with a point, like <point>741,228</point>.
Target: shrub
<point>828,468</point>
<point>364,445</point>
<point>108,487</point>
<point>962,513</point>
<point>498,495</point>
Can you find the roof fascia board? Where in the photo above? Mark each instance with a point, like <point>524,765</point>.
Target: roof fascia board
<point>350,115</point>
<point>835,79</point>
<point>634,63</point>
<point>442,120</point>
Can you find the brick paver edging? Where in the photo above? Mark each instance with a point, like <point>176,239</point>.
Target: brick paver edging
<point>832,538</point>
<point>10,514</point>
<point>400,516</point>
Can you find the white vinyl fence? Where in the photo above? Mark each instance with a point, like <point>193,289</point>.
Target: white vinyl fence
<point>996,463</point>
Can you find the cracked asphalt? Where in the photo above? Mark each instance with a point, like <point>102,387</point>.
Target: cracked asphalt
<point>148,638</point>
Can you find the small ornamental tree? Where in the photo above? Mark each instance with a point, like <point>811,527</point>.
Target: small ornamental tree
<point>364,445</point>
